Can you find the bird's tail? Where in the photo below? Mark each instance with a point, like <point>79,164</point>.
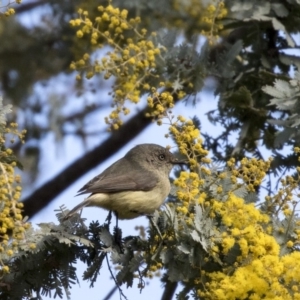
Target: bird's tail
<point>77,208</point>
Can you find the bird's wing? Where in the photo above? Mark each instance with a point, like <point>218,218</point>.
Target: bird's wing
<point>121,177</point>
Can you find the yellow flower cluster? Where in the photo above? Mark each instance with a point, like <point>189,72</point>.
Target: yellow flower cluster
<point>9,10</point>
<point>206,17</point>
<point>131,60</point>
<point>244,227</point>
<point>251,171</point>
<point>235,213</point>
<point>159,103</point>
<point>259,272</point>
<point>267,277</point>
<point>284,201</point>
<point>187,137</point>
<point>189,192</point>
<point>154,270</point>
<point>12,226</point>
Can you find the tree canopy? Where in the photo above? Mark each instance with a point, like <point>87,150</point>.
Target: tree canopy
<point>230,228</point>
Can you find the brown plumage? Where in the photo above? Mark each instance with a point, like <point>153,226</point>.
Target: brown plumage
<point>135,185</point>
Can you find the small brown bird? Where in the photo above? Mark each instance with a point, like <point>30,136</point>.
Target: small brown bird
<point>135,185</point>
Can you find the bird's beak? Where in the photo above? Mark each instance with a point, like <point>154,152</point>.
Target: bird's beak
<point>179,162</point>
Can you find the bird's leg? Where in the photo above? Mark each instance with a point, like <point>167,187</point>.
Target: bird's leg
<point>118,235</point>
<point>117,219</point>
<point>108,218</point>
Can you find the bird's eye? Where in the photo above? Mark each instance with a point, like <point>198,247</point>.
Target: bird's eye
<point>161,156</point>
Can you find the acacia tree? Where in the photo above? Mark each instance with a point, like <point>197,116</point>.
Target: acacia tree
<point>217,235</point>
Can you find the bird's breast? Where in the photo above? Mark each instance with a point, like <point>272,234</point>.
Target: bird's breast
<point>130,204</point>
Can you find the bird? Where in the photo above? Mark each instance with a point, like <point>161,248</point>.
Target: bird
<point>133,186</point>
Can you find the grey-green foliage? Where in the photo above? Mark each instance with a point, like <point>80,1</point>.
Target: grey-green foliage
<point>44,263</point>
<point>182,243</point>
<point>263,11</point>
<point>286,98</point>
<point>284,231</point>
<point>265,31</point>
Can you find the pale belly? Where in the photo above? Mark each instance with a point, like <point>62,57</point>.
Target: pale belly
<point>130,204</point>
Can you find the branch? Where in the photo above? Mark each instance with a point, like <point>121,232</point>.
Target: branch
<point>169,291</point>
<point>243,134</point>
<point>110,293</point>
<point>24,7</point>
<point>40,198</point>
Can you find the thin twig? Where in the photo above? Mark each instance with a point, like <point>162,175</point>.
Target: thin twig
<point>114,278</point>
<point>111,292</point>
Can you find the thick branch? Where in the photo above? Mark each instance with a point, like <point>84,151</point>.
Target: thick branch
<point>48,191</point>
<point>24,7</point>
<point>169,291</point>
